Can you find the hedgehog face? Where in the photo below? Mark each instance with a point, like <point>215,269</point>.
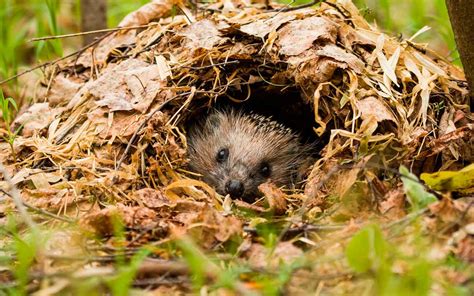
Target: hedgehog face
<point>236,175</point>
<point>235,153</point>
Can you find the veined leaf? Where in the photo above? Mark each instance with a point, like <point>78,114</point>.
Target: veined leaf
<point>450,180</point>
<point>418,197</point>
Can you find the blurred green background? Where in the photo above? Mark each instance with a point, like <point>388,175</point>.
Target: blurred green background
<point>21,20</point>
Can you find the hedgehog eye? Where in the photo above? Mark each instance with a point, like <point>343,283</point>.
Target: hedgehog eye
<point>222,155</point>
<point>265,170</point>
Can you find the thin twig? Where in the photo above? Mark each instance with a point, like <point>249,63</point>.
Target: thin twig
<point>40,211</point>
<point>211,65</point>
<point>301,229</point>
<point>339,9</point>
<point>159,266</point>
<point>89,32</point>
<point>160,281</point>
<point>459,220</point>
<point>15,195</point>
<point>101,259</point>
<point>408,217</point>
<point>80,51</point>
<point>314,2</point>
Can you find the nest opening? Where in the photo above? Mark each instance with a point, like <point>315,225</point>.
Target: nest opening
<point>287,106</point>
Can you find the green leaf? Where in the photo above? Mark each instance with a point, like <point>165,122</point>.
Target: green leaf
<point>13,103</point>
<point>415,191</point>
<point>5,104</point>
<point>450,180</point>
<point>367,250</point>
<point>173,11</point>
<point>2,99</point>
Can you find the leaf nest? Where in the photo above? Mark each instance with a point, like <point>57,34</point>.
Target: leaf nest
<point>106,132</point>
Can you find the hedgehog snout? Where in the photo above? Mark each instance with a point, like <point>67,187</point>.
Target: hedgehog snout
<point>236,180</point>
<point>235,188</point>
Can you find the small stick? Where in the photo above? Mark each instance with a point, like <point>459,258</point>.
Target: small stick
<point>89,32</point>
<point>56,60</point>
<point>314,2</point>
<point>211,65</point>
<point>40,211</point>
<point>301,229</point>
<point>15,195</point>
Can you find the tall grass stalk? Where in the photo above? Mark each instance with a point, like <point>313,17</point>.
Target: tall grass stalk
<point>47,24</point>
<point>11,37</point>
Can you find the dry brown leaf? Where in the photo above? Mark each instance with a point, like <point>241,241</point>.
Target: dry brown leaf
<point>163,67</point>
<point>210,227</point>
<point>152,198</point>
<point>298,36</point>
<point>36,118</point>
<point>345,180</point>
<point>189,182</point>
<point>261,28</point>
<point>446,123</point>
<point>241,51</point>
<point>465,249</point>
<point>130,85</point>
<point>311,69</point>
<point>202,34</point>
<point>394,204</point>
<point>120,124</point>
<point>373,107</point>
<point>167,291</point>
<point>148,12</point>
<point>103,222</point>
<point>22,175</point>
<point>275,197</point>
<point>250,207</point>
<point>351,36</point>
<point>261,257</point>
<point>343,56</point>
<point>52,198</point>
<point>462,136</point>
<point>97,55</point>
<point>449,211</point>
<point>63,89</point>
<point>65,243</point>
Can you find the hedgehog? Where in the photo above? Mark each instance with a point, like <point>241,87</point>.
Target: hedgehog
<point>235,152</point>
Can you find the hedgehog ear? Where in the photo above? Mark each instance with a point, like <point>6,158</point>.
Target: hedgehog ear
<point>212,121</point>
<point>206,123</point>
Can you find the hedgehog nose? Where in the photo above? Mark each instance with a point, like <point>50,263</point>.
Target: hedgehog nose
<point>235,188</point>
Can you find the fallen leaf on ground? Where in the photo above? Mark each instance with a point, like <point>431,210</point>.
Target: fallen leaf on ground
<point>36,118</point>
<point>202,34</point>
<point>261,257</point>
<point>298,36</point>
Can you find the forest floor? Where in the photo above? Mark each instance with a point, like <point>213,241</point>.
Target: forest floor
<point>97,196</point>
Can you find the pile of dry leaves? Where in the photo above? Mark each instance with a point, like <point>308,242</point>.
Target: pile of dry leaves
<point>105,138</point>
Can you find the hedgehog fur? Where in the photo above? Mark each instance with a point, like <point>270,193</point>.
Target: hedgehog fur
<point>235,152</point>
